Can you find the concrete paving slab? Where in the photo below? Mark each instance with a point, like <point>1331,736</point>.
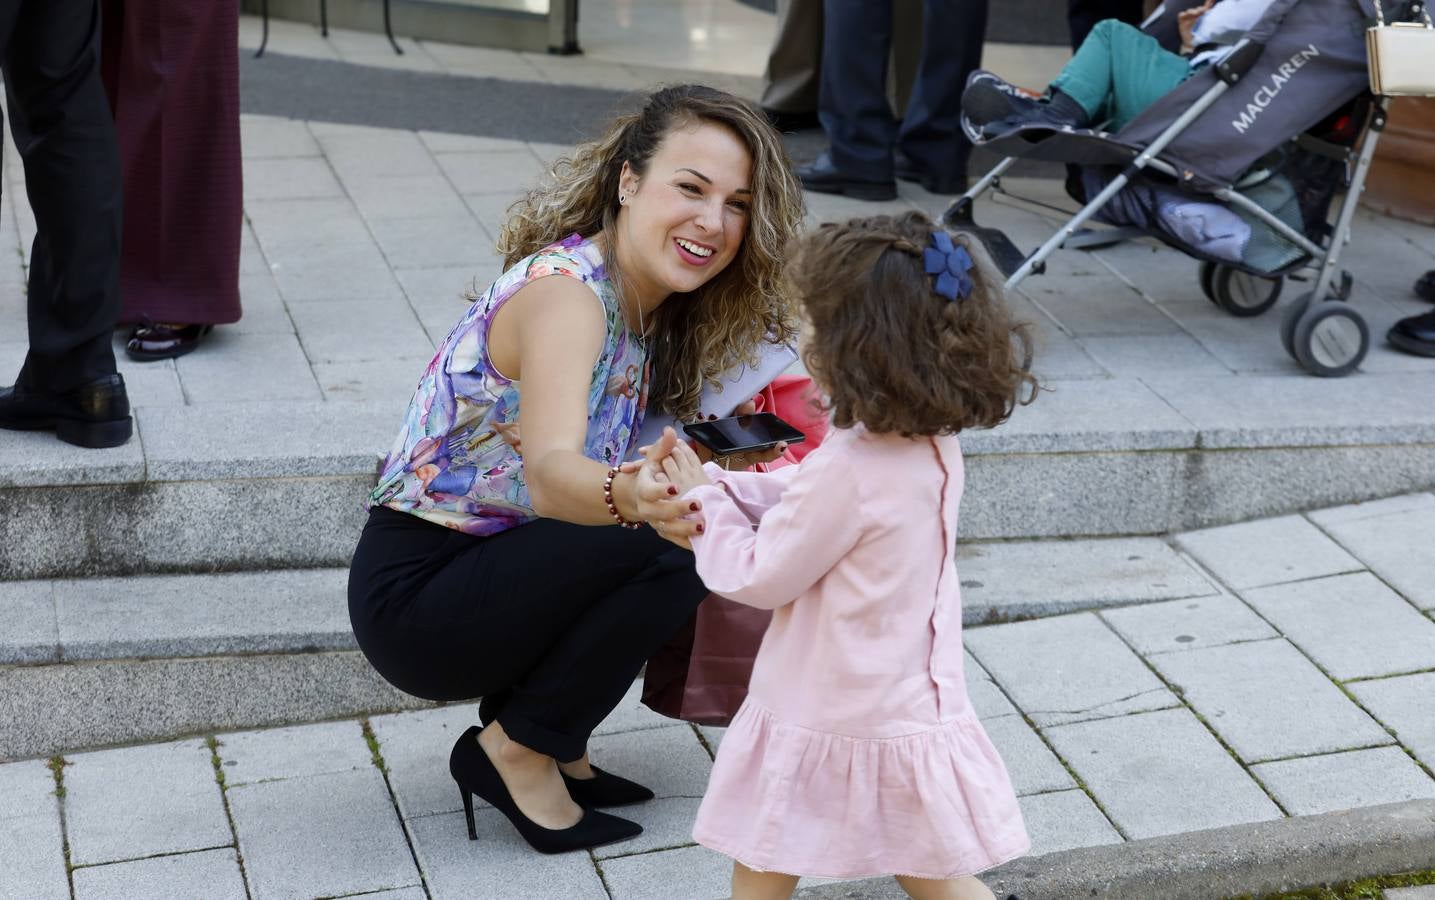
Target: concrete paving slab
<point>1269,551</point>
<point>203,615</point>
<point>269,137</point>
<point>1114,414</point>
<point>37,459</point>
<point>987,699</point>
<point>666,824</point>
<point>415,747</point>
<point>1024,578</point>
<point>321,836</point>
<point>707,875</point>
<point>1144,356</point>
<point>1187,624</point>
<point>1267,701</point>
<point>157,385</point>
<point>31,845</point>
<point>299,751</point>
<point>142,801</point>
<point>1405,705</point>
<point>1065,820</point>
<point>387,197</point>
<point>491,172</point>
<point>238,367</point>
<point>713,736</point>
<point>383,384</point>
<point>266,440</point>
<point>343,331</point>
<point>1160,773</point>
<point>671,761</point>
<point>499,864</point>
<point>28,633</point>
<point>376,152</point>
<point>631,715</point>
<point>1424,892</point>
<point>1086,672</point>
<point>1276,411</point>
<point>1100,304</point>
<point>212,874</point>
<point>1392,538</point>
<point>1030,764</point>
<point>1353,626</point>
<point>454,239</point>
<point>1318,784</point>
<point>299,178</point>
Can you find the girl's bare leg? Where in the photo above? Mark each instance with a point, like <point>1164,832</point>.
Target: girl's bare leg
<point>967,887</point>
<point>750,885</point>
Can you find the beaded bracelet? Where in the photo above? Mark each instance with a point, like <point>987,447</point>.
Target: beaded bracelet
<point>613,507</point>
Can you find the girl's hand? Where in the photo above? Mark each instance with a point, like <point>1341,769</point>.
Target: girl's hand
<point>1186,23</point>
<point>684,469</point>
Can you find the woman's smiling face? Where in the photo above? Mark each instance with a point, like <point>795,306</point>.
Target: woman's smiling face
<point>683,221</point>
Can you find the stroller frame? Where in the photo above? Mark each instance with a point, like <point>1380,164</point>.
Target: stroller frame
<point>1327,339</point>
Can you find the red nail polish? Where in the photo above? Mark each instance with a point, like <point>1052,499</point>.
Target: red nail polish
<point>693,507</point>
<point>700,529</point>
<point>672,491</point>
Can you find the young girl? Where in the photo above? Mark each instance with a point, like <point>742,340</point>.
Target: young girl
<point>857,752</point>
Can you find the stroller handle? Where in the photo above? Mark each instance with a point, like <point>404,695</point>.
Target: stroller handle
<point>1234,66</point>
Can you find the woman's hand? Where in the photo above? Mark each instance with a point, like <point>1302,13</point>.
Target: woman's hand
<point>654,493</point>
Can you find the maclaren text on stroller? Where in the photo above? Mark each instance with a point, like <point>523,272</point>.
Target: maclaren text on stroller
<point>1238,167</point>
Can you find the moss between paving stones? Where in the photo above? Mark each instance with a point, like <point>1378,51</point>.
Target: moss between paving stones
<point>1365,889</point>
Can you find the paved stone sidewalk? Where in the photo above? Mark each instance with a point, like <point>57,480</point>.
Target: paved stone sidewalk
<point>1294,674</point>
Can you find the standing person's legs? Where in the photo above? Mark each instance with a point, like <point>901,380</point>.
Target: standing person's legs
<point>749,884</point>
<point>794,67</point>
<point>933,149</point>
<point>853,105</point>
<point>1082,15</point>
<point>1118,72</point>
<point>172,72</point>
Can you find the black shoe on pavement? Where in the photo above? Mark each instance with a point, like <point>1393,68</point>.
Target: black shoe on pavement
<point>907,170</point>
<point>1425,286</point>
<point>822,176</point>
<point>1415,334</point>
<point>153,341</point>
<point>94,415</point>
<point>791,121</point>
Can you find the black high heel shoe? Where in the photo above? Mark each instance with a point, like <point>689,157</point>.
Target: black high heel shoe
<point>475,774</point>
<point>605,789</point>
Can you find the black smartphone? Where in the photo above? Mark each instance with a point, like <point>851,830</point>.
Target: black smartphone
<point>743,434</point>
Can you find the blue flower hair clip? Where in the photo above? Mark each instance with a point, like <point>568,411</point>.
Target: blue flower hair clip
<point>949,265</point>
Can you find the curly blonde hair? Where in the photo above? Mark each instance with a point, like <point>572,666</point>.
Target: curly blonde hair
<point>892,353</point>
<point>722,323</point>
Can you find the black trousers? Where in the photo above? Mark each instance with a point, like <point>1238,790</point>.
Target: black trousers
<point>549,622</point>
<point>66,138</point>
<point>1082,15</point>
<point>852,103</point>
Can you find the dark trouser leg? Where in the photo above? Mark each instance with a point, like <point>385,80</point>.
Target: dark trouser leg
<point>931,135</point>
<point>1082,15</point>
<point>67,143</point>
<point>553,619</point>
<point>852,107</point>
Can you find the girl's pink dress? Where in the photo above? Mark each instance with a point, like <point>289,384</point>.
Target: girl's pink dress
<point>857,752</point>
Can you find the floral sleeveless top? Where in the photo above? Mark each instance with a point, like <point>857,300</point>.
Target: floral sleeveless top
<point>450,463</point>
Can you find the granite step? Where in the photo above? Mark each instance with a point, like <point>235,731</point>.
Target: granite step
<point>96,662</point>
<point>248,486</point>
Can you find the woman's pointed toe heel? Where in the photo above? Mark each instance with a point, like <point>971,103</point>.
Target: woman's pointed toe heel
<point>605,789</point>
<point>476,775</point>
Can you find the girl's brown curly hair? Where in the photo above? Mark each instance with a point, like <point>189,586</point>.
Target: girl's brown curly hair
<point>891,352</point>
<point>699,336</point>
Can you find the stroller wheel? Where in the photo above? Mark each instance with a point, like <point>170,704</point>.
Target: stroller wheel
<point>1290,319</point>
<point>1331,339</point>
<point>1208,277</point>
<point>1242,294</point>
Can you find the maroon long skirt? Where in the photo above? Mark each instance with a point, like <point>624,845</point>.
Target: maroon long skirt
<point>171,69</point>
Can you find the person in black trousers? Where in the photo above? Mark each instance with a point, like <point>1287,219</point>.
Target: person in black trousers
<point>66,140</point>
<point>1082,15</point>
<point>868,146</point>
<point>1416,334</point>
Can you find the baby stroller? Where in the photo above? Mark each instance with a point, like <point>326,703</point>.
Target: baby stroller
<point>1237,166</point>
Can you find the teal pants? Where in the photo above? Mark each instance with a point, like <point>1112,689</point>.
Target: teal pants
<point>1119,71</point>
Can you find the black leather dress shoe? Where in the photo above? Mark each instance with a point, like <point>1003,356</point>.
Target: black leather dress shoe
<point>150,341</point>
<point>791,121</point>
<point>93,415</point>
<point>1425,286</point>
<point>822,176</point>
<point>907,170</point>
<point>1415,334</point>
